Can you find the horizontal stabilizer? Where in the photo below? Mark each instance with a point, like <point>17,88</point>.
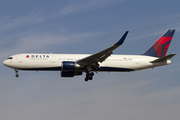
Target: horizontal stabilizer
<point>163,59</point>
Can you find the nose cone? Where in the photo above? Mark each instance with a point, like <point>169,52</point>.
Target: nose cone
<point>8,63</point>
<point>5,63</point>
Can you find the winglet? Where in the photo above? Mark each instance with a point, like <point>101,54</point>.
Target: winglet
<point>121,40</point>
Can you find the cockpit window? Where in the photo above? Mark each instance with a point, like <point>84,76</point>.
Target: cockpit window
<point>10,58</point>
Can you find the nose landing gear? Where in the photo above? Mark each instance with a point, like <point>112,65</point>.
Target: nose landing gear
<point>16,71</point>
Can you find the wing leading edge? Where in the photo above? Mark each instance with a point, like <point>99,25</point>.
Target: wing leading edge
<point>93,60</point>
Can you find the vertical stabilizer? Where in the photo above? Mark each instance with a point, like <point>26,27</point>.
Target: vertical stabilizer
<point>160,47</point>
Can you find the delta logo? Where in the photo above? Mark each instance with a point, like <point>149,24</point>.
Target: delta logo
<point>27,56</point>
<point>37,56</point>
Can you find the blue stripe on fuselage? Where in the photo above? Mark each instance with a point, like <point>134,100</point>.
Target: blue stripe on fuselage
<point>113,69</point>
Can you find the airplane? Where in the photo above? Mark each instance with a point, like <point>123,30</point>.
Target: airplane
<point>72,65</point>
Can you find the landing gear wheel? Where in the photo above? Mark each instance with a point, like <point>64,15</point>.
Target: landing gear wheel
<point>86,79</point>
<point>17,75</point>
<point>89,76</point>
<point>16,71</point>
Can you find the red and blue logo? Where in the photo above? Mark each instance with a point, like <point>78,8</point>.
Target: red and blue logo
<point>160,47</point>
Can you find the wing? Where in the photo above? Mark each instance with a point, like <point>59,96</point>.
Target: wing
<point>92,60</point>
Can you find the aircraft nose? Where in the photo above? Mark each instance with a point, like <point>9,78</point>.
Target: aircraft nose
<point>5,63</point>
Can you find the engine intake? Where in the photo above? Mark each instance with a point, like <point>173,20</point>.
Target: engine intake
<point>69,65</point>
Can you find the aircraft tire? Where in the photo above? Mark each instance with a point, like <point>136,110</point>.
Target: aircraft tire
<point>86,79</point>
<point>17,75</point>
<point>90,78</point>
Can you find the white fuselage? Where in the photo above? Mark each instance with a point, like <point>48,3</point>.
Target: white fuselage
<point>72,65</point>
<point>54,62</point>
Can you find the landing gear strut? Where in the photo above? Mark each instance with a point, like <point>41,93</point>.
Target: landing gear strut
<point>16,71</point>
<point>89,76</point>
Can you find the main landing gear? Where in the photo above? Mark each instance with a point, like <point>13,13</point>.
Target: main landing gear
<point>16,71</point>
<point>89,76</point>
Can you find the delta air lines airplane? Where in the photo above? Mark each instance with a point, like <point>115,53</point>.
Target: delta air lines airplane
<point>72,65</point>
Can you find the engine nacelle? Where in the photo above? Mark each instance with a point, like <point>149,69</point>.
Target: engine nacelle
<point>70,73</point>
<point>69,65</point>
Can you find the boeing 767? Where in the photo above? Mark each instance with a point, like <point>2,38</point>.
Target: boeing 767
<point>72,65</point>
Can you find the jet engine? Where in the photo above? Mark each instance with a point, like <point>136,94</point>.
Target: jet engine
<point>68,69</point>
<point>69,66</point>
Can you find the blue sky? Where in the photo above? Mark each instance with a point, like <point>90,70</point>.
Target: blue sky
<point>42,26</point>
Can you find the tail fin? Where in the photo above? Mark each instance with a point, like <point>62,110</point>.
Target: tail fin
<point>161,46</point>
